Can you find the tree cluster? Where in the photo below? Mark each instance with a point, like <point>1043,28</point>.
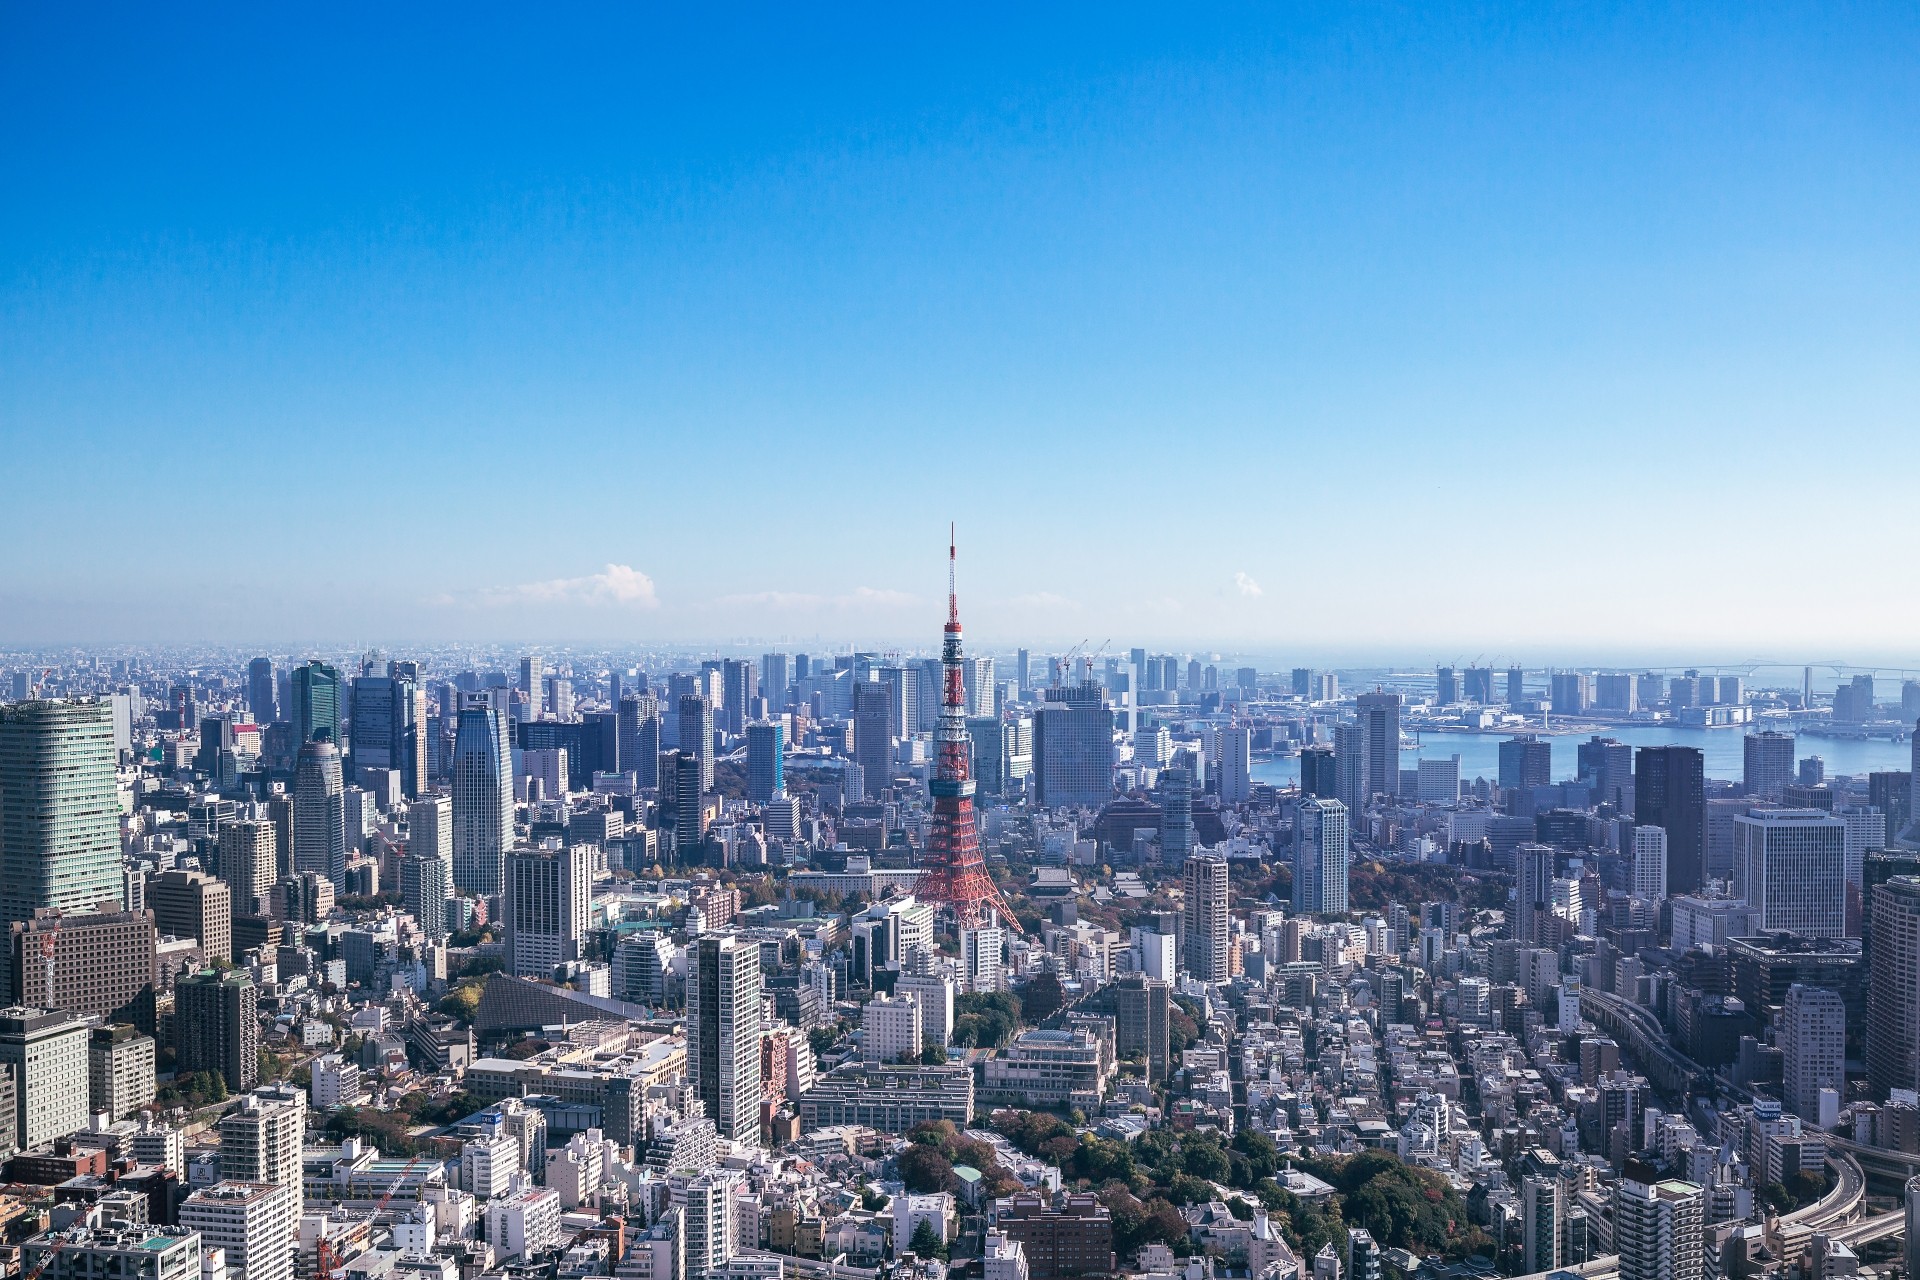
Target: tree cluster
<point>933,1149</point>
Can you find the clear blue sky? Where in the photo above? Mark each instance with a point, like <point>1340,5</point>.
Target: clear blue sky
<point>1381,330</point>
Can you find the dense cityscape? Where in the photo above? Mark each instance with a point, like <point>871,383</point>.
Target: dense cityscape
<point>863,964</point>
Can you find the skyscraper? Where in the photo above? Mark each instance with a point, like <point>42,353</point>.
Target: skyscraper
<point>482,801</point>
<point>216,1026</point>
<point>1669,792</point>
<point>1378,716</point>
<point>1606,764</point>
<point>639,737</point>
<point>249,862</point>
<point>736,679</point>
<point>1205,916</point>
<point>1790,866</point>
<point>389,716</point>
<point>1534,866</point>
<point>776,678</point>
<point>1893,986</point>
<point>1649,863</point>
<point>1657,1226</point>
<point>260,699</point>
<point>192,904</point>
<point>426,883</point>
<point>680,789</point>
<point>533,683</point>
<point>723,1033</point>
<point>1446,686</point>
<point>1143,1011</point>
<point>1073,747</point>
<point>1176,815</point>
<point>872,735</point>
<point>1769,764</point>
<point>548,896</point>
<point>696,735</point>
<point>320,813</point>
<point>59,808</point>
<point>978,683</point>
<point>1525,761</point>
<point>766,760</point>
<point>1813,1049</point>
<point>1318,773</point>
<point>1321,844</point>
<point>1236,764</point>
<point>315,690</point>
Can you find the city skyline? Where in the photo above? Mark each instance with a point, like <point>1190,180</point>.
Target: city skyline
<point>1605,312</point>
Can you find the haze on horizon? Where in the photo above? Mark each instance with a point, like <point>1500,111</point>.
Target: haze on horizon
<point>1402,336</point>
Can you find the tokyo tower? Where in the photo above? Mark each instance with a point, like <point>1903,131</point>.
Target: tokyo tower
<point>952,873</point>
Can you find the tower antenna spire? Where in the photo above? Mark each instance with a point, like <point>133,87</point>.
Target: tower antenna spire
<point>953,598</point>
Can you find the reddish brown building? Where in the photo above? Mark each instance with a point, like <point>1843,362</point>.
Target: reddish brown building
<point>1070,1237</point>
<point>50,1165</point>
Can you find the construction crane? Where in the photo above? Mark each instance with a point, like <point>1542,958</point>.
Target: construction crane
<point>387,1198</point>
<point>51,1254</point>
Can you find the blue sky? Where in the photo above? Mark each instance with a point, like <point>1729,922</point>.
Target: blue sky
<point>1390,331</point>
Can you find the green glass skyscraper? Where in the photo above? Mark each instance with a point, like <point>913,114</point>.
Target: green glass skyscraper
<point>59,808</point>
<point>316,702</point>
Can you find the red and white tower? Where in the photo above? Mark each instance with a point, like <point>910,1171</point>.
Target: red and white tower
<point>952,873</point>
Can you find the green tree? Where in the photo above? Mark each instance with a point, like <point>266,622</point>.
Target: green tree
<point>925,1169</point>
<point>926,1241</point>
<point>933,1053</point>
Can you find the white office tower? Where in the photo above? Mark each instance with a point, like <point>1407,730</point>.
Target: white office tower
<point>1155,954</point>
<point>52,1077</point>
<point>1657,1226</point>
<point>488,1162</point>
<point>980,964</point>
<point>705,1200</point>
<point>257,1223</point>
<point>934,991</point>
<point>1236,765</point>
<point>1004,1258</point>
<point>524,1221</point>
<point>1540,1221</point>
<point>261,1141</point>
<point>548,899</point>
<point>1650,863</point>
<point>1813,1048</point>
<point>482,800</point>
<point>1438,781</point>
<point>1321,847</point>
<point>1790,865</point>
<point>889,1028</point>
<point>1866,831</point>
<point>723,1034</point>
<point>1205,916</point>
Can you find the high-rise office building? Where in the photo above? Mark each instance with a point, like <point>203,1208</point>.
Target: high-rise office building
<point>1205,916</point>
<point>46,1050</point>
<point>1606,765</point>
<point>737,693</point>
<point>1649,867</point>
<point>1073,747</point>
<point>776,679</point>
<point>1142,1013</point>
<point>1022,662</point>
<point>1813,1049</point>
<point>59,808</point>
<point>1570,692</point>
<point>120,1077</point>
<point>426,884</point>
<point>1176,815</point>
<point>1790,866</point>
<point>1321,845</point>
<point>316,702</point>
<point>533,683</point>
<point>216,1026</point>
<point>639,737</point>
<point>482,801</point>
<point>249,862</point>
<point>93,962</point>
<point>192,904</point>
<point>1893,986</point>
<point>256,1224</point>
<point>260,700</point>
<point>723,1033</point>
<point>389,719</point>
<point>546,906</point>
<point>261,1140</point>
<point>872,736</point>
<point>696,735</point>
<point>987,742</point>
<point>1616,691</point>
<point>1378,716</point>
<point>320,813</point>
<point>1526,760</point>
<point>1769,764</point>
<point>683,803</point>
<point>1318,773</point>
<point>766,760</point>
<point>1534,868</point>
<point>1446,686</point>
<point>1236,764</point>
<point>1669,792</point>
<point>978,686</point>
<point>1657,1226</point>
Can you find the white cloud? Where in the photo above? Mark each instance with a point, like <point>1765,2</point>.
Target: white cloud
<point>1248,587</point>
<point>617,584</point>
